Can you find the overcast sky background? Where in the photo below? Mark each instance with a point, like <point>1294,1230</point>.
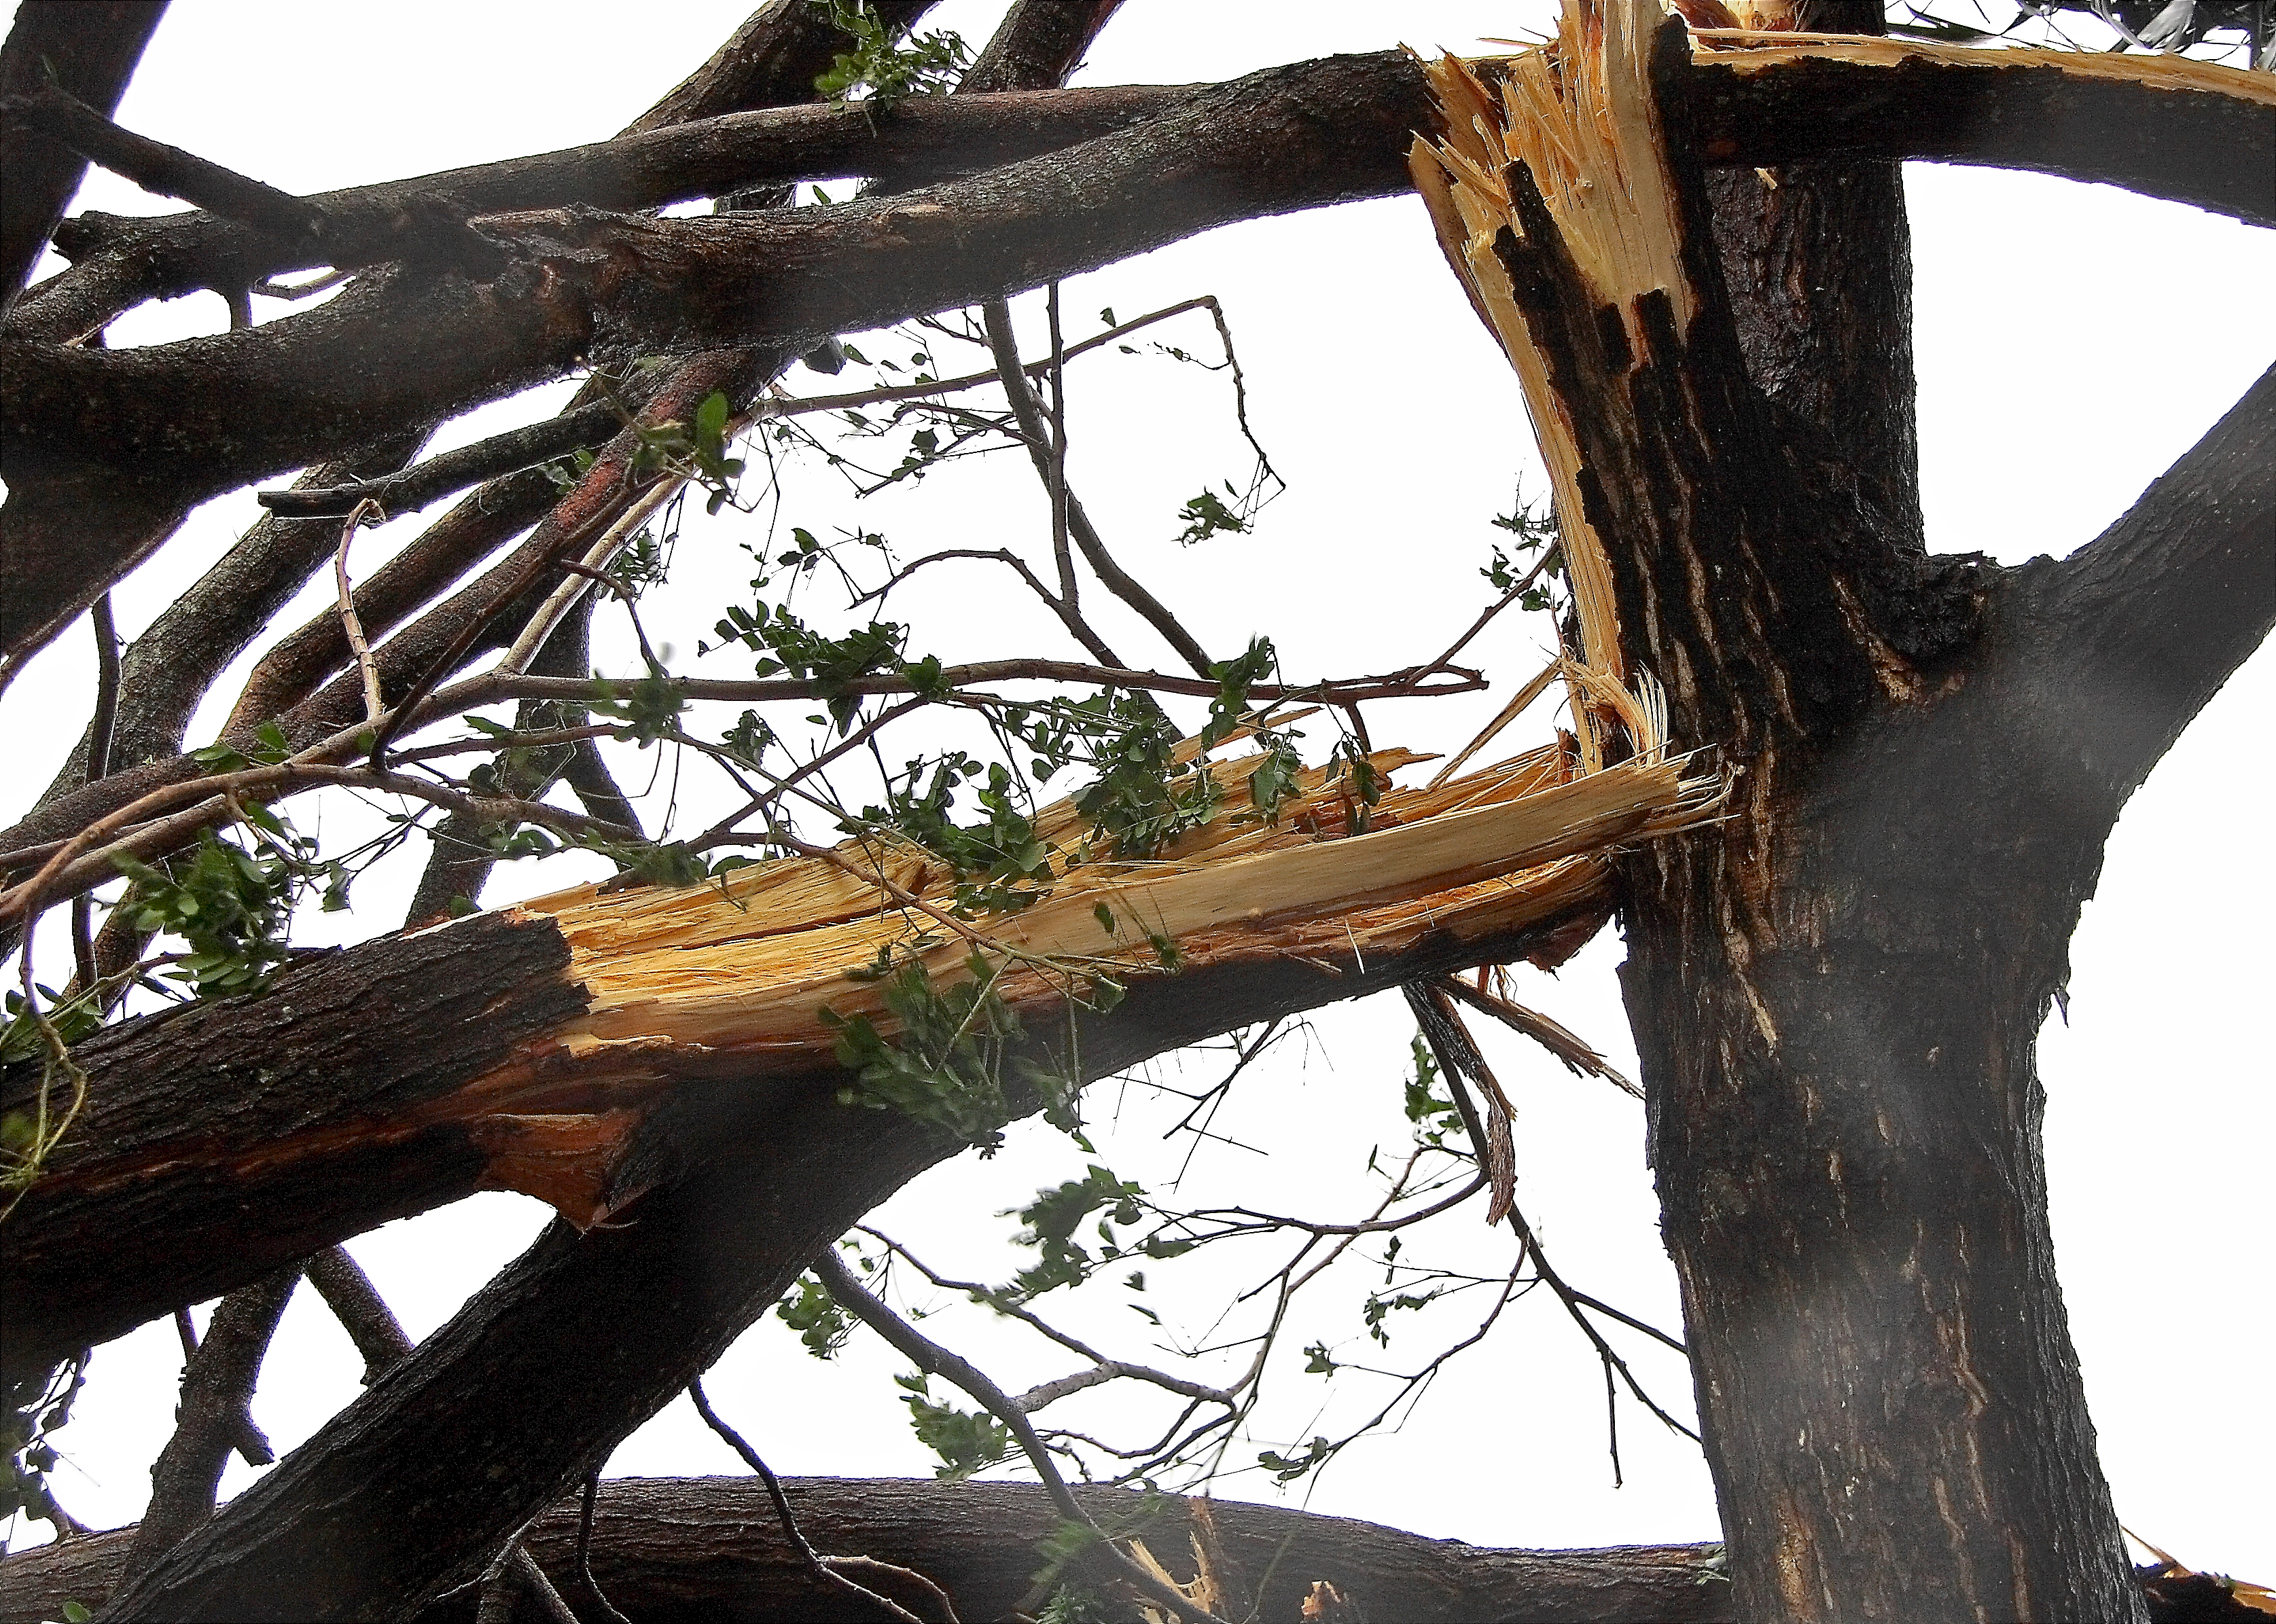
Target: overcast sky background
<point>2072,340</point>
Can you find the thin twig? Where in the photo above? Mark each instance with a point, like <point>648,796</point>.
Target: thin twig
<point>374,701</point>
<point>415,488</point>
<point>583,1559</point>
<point>1033,430</point>
<point>815,1562</point>
<point>97,766</point>
<point>934,1360</point>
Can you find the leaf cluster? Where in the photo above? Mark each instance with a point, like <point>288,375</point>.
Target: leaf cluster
<point>877,71</point>
<point>947,1067</point>
<point>1052,1218</point>
<point>967,1441</point>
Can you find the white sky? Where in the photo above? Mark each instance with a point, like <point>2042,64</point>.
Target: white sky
<point>2072,340</point>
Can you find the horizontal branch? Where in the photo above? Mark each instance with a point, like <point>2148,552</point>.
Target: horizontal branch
<point>88,50</point>
<point>2165,126</point>
<point>206,415</point>
<point>923,139</point>
<point>407,492</point>
<point>683,1549</point>
<point>1414,682</point>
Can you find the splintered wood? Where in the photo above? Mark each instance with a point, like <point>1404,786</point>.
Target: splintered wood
<point>1573,122</point>
<point>717,975</point>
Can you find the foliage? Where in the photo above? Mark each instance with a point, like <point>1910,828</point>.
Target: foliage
<point>947,1067</point>
<point>233,907</point>
<point>810,1310</point>
<point>965,1441</point>
<point>876,72</point>
<point>1532,530</point>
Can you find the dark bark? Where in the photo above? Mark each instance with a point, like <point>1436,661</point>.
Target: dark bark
<point>363,1312</point>
<point>216,1390</point>
<point>166,672</point>
<point>301,661</point>
<point>577,429</point>
<point>1817,256</point>
<point>593,1333</point>
<point>676,1552</point>
<point>125,261</point>
<point>1836,995</point>
<point>699,1550</point>
<point>286,1123</point>
<point>771,60</point>
<point>47,569</point>
<point>91,47</point>
<point>203,416</point>
<point>462,859</point>
<point>2212,147</point>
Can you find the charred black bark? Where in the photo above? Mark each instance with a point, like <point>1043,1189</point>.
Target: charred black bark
<point>1836,996</point>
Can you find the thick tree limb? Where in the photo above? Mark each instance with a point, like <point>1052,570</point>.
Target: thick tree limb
<point>1816,258</point>
<point>925,140</point>
<point>2165,126</point>
<point>679,1551</point>
<point>774,57</point>
<point>2133,633</point>
<point>214,413</point>
<point>593,1333</point>
<point>61,118</point>
<point>683,1551</point>
<point>91,48</point>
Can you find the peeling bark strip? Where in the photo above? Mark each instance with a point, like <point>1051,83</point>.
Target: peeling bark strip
<point>529,1050</point>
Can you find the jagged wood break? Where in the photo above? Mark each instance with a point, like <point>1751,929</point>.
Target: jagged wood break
<point>550,1048</point>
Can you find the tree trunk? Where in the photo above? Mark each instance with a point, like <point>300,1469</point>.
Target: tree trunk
<point>1836,993</point>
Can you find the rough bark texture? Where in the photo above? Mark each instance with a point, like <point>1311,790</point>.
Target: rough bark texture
<point>226,1139</point>
<point>1836,995</point>
<point>203,416</point>
<point>704,1551</point>
<point>680,1551</point>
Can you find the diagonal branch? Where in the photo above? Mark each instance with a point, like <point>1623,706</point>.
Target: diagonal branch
<point>88,50</point>
<point>2138,629</point>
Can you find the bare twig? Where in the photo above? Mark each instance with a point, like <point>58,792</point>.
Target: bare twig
<point>85,859</point>
<point>576,430</point>
<point>374,702</point>
<point>98,766</point>
<point>1028,413</point>
<point>934,1360</point>
<point>582,1569</point>
<point>822,1568</point>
